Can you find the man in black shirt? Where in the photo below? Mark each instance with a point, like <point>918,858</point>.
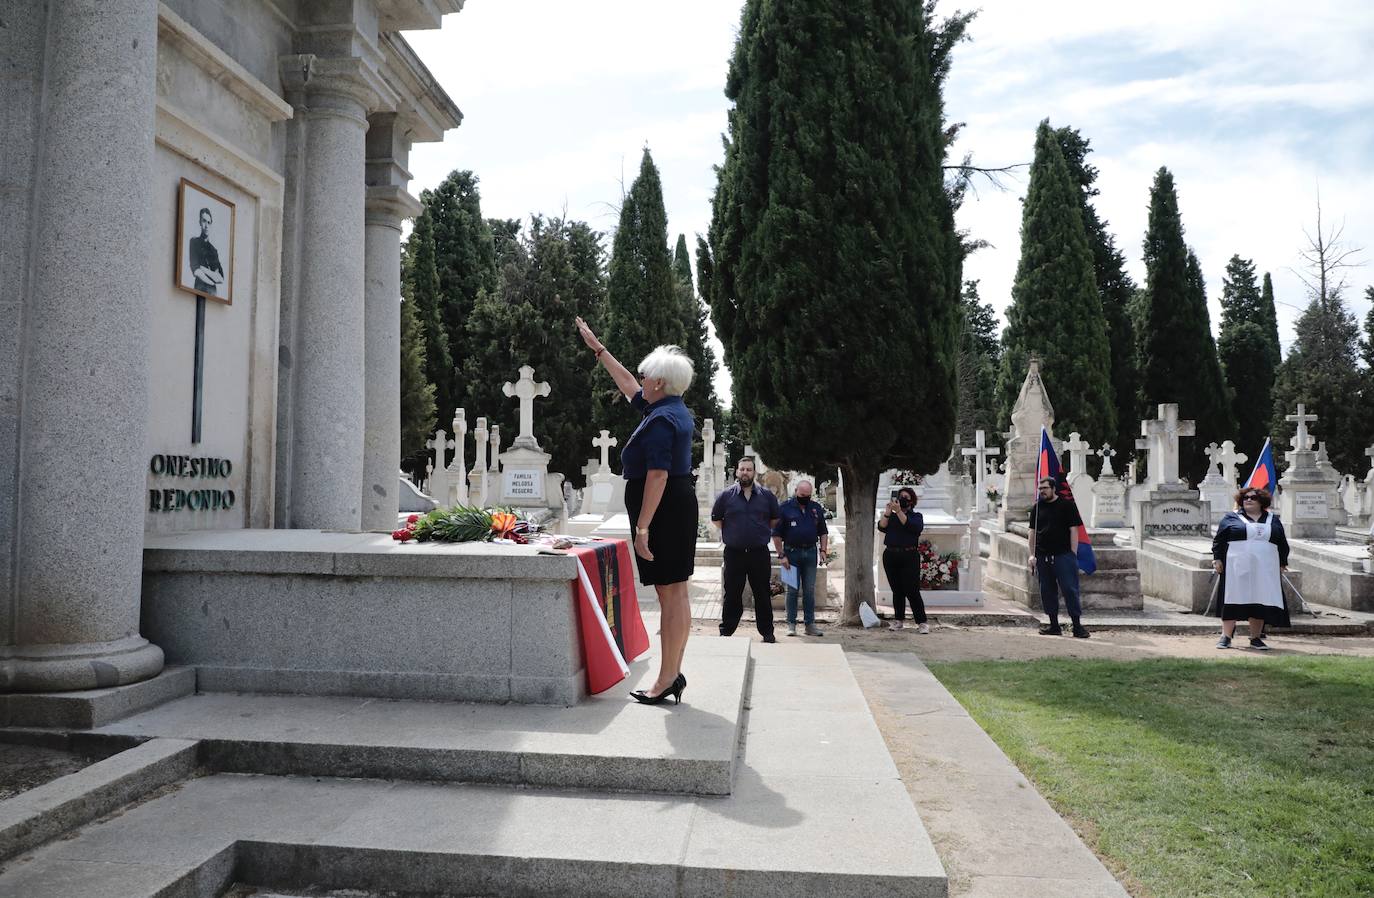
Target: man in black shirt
<point>1054,523</point>
<point>205,264</point>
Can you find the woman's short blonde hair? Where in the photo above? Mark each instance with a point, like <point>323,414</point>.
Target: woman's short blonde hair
<point>672,365</point>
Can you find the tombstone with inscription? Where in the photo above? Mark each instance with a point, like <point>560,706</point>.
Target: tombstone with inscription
<point>526,483</point>
<point>1166,505</point>
<point>1108,507</point>
<point>1308,502</point>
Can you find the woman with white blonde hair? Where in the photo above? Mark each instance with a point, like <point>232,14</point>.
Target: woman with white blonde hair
<point>660,496</point>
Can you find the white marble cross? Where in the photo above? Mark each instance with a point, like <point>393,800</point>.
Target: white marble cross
<point>1213,453</point>
<point>1164,432</point>
<point>604,443</point>
<point>1229,458</point>
<point>1301,441</point>
<point>979,452</point>
<point>439,443</point>
<point>1369,453</point>
<point>460,459</point>
<point>1106,453</point>
<point>526,390</point>
<point>1078,450</point>
<point>495,447</point>
<point>479,434</point>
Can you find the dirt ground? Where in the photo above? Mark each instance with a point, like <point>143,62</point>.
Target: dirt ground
<point>947,643</point>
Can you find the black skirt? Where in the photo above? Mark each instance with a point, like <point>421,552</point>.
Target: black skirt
<point>672,532</point>
<point>1272,615</point>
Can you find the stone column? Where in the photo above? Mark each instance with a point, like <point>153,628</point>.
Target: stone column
<point>388,204</point>
<point>78,546</point>
<point>328,382</point>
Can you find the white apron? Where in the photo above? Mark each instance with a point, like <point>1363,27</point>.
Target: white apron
<point>1252,569</point>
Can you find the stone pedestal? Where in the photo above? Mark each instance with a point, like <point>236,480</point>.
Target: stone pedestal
<point>1308,502</point>
<point>1220,495</point>
<point>1170,510</point>
<point>70,613</point>
<point>527,484</point>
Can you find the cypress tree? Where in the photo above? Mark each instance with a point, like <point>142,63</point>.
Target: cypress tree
<point>1248,362</point>
<point>834,263</point>
<point>556,275</point>
<point>694,315</point>
<point>421,279</point>
<point>417,394</point>
<point>1114,288</point>
<point>1322,372</point>
<point>643,304</point>
<point>1367,345</point>
<point>1178,357</point>
<point>465,258</point>
<point>979,358</point>
<point>1056,313</point>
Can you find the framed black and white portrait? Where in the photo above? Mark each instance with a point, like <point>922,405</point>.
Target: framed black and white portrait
<point>205,243</point>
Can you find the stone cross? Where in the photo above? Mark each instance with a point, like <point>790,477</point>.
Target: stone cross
<point>1164,432</point>
<point>1301,441</point>
<point>1142,446</point>
<point>1229,458</point>
<point>495,447</point>
<point>438,476</point>
<point>1078,450</point>
<point>1213,453</point>
<point>459,468</point>
<point>1106,453</point>
<point>526,390</point>
<point>604,443</point>
<point>479,470</point>
<point>980,452</point>
<point>1369,453</point>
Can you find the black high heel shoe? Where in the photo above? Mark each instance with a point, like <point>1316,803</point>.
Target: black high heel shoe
<point>674,689</point>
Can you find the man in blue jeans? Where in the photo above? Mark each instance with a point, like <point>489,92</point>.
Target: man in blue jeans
<point>1054,523</point>
<point>800,528</point>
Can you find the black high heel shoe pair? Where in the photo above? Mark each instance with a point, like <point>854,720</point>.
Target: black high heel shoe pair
<point>674,689</point>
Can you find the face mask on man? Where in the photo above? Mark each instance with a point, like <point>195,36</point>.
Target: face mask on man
<point>803,499</point>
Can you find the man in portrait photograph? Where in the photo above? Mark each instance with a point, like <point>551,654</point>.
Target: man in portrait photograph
<point>205,264</point>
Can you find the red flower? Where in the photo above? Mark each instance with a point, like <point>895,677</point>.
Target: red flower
<point>412,519</point>
<point>404,534</point>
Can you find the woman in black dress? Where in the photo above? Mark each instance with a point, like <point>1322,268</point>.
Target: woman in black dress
<point>1250,549</point>
<point>901,525</point>
<point>660,496</point>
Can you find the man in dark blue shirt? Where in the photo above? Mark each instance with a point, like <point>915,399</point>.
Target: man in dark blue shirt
<point>801,526</point>
<point>746,514</point>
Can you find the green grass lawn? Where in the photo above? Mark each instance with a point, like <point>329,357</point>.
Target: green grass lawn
<point>1193,778</point>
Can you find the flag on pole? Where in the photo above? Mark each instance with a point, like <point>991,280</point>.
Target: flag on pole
<point>1048,466</point>
<point>1265,476</point>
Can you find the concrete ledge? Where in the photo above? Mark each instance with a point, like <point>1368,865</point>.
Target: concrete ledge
<point>89,708</point>
<point>39,815</point>
<point>319,613</point>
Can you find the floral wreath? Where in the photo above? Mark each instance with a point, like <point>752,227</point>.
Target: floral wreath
<point>463,524</point>
<point>937,570</point>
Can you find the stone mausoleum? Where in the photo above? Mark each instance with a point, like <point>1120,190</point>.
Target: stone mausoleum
<point>199,294</point>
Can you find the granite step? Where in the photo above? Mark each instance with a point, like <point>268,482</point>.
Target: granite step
<point>608,742</point>
<point>811,770</point>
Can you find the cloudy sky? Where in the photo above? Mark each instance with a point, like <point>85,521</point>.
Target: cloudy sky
<point>1254,106</point>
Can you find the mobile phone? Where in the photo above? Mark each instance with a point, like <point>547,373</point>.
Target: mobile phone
<point>896,495</point>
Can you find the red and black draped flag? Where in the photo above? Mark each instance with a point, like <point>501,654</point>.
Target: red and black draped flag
<point>1048,466</point>
<point>1265,476</point>
<point>613,632</point>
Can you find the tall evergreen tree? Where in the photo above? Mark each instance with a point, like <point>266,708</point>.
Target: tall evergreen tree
<point>1114,288</point>
<point>421,280</point>
<point>643,304</point>
<point>1367,345</point>
<point>834,264</point>
<point>980,351</point>
<point>698,349</point>
<point>417,393</point>
<point>557,275</point>
<point>465,259</point>
<point>1178,357</point>
<point>1322,373</point>
<point>1249,363</point>
<point>1056,313</point>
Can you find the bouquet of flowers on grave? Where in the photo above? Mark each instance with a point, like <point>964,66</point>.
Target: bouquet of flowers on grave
<point>937,571</point>
<point>463,524</point>
<point>994,495</point>
<point>907,478</point>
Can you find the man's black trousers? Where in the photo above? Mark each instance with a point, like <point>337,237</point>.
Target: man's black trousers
<point>756,566</point>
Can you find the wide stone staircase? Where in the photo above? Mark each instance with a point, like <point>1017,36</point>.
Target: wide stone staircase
<point>1116,585</point>
<point>771,778</point>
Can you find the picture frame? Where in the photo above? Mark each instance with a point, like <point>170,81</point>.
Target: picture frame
<point>204,243</point>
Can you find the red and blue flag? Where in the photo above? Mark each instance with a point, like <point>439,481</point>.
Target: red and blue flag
<point>1265,476</point>
<point>1048,466</point>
